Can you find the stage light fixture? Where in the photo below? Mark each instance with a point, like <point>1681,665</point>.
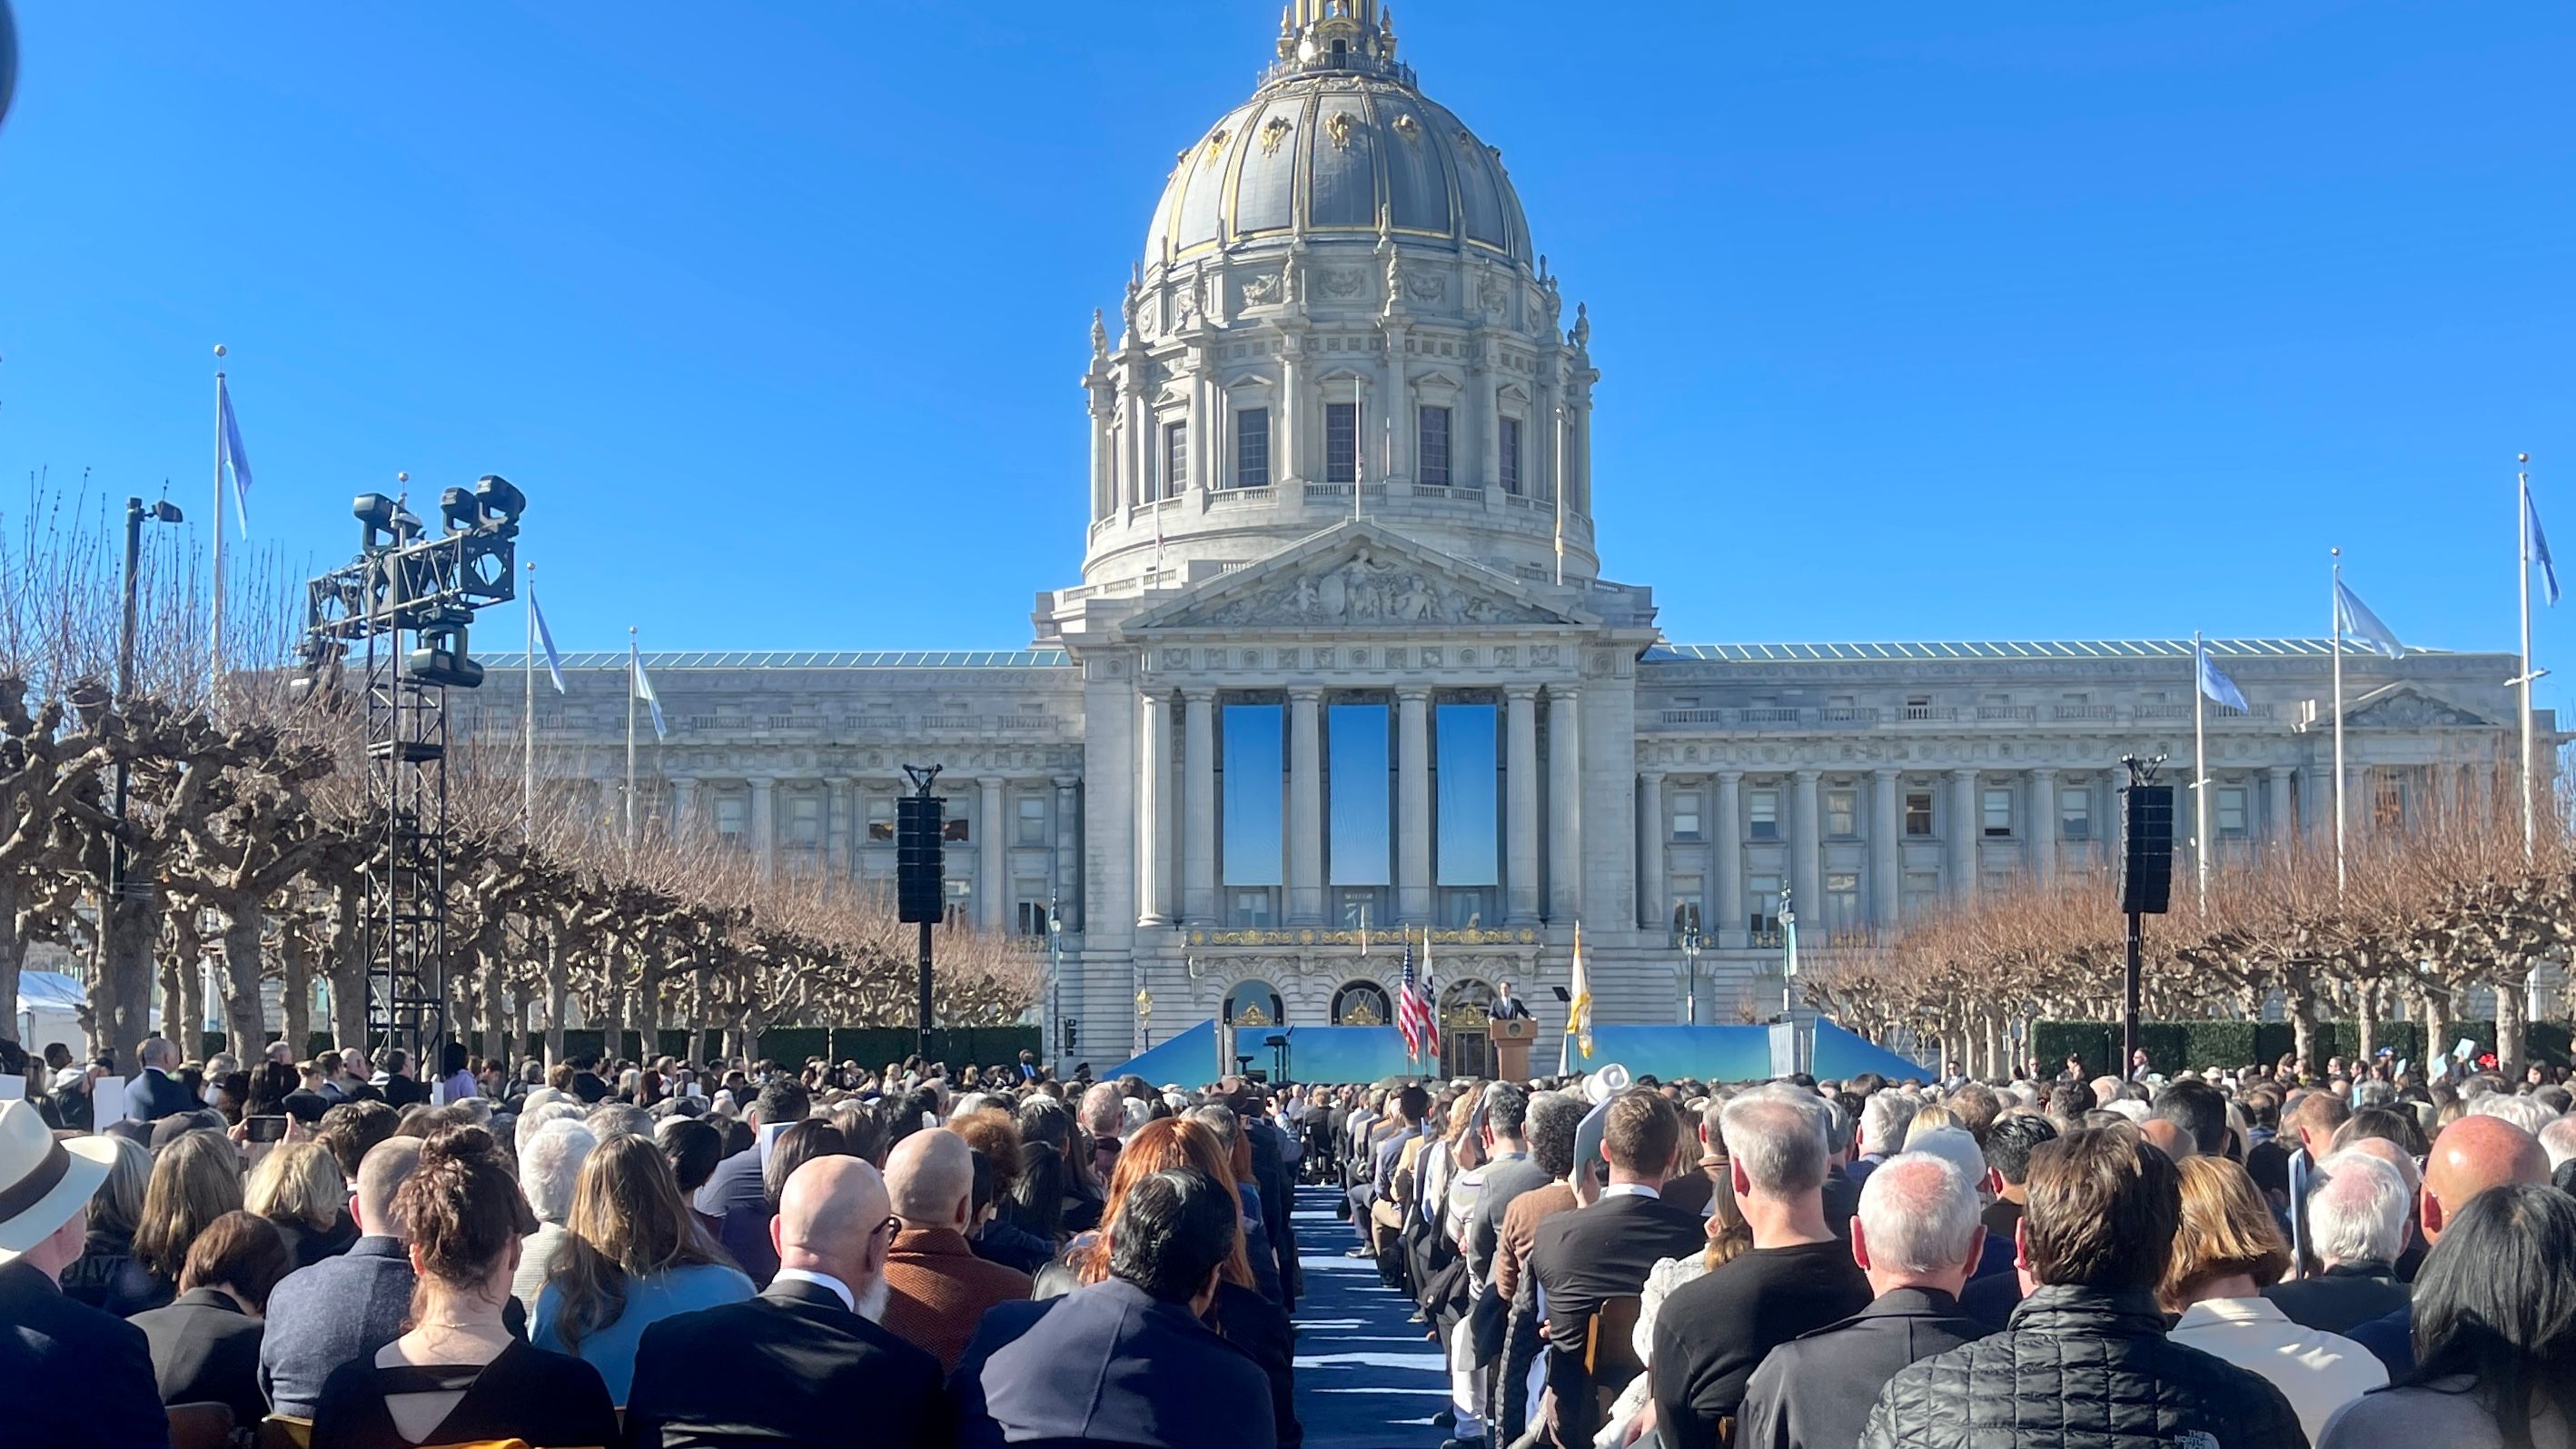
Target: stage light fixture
<point>442,658</point>
<point>459,510</point>
<point>501,499</point>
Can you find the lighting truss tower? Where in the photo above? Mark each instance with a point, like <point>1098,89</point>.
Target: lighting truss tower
<point>406,588</point>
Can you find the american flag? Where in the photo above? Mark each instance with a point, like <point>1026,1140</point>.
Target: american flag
<point>1413,1014</point>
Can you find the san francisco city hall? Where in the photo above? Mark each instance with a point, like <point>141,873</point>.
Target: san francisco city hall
<point>1275,717</point>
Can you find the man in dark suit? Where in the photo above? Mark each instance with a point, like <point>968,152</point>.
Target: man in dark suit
<point>736,1197</point>
<point>2358,1224</point>
<point>1505,1006</point>
<point>156,1094</point>
<point>1604,1251</point>
<point>69,1374</point>
<point>1125,1361</point>
<point>1917,1237</point>
<point>806,1362</point>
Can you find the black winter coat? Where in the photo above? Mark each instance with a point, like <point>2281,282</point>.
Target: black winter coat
<point>2081,1366</point>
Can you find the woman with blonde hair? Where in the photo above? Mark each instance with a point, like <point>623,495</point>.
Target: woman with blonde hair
<point>105,1275</point>
<point>632,1256</point>
<point>2227,1250</point>
<point>298,1187</point>
<point>195,1180</point>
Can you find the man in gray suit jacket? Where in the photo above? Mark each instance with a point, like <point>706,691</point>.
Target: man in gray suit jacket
<point>347,1307</point>
<point>1508,1173</point>
<point>1918,1238</point>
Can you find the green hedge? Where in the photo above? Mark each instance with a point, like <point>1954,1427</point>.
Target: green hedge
<point>2175,1044</point>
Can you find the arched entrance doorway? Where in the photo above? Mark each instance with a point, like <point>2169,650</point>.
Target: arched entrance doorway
<point>1251,1016</point>
<point>1363,1003</point>
<point>1464,1024</point>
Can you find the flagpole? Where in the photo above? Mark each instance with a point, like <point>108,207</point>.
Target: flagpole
<point>2522,533</point>
<point>215,655</point>
<point>2335,603</point>
<point>528,727</point>
<point>634,662</point>
<point>2200,768</point>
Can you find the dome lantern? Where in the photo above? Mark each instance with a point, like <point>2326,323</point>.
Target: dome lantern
<point>1350,36</point>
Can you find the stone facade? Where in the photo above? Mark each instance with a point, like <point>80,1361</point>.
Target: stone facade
<point>1336,253</point>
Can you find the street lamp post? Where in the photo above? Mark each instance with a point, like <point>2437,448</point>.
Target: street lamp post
<point>1691,947</point>
<point>1053,1048</point>
<point>136,515</point>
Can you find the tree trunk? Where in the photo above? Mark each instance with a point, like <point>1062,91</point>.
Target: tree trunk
<point>2299,1003</point>
<point>188,958</point>
<point>648,1011</point>
<point>245,1023</point>
<point>348,970</point>
<point>2437,1022</point>
<point>493,1048</point>
<point>13,950</point>
<point>2365,1020</point>
<point>296,996</point>
<point>701,1008</point>
<point>556,1000</point>
<point>2508,1021</point>
<point>120,991</point>
<point>612,1004</point>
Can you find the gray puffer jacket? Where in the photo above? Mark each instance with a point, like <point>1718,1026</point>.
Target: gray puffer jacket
<point>2081,1367</point>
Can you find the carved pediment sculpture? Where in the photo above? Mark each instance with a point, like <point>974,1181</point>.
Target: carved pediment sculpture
<point>1362,579</point>
<point>2407,709</point>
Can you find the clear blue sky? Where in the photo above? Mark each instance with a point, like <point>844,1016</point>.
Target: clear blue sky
<point>1916,321</point>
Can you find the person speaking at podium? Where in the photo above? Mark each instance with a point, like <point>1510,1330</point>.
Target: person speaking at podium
<point>1505,1006</point>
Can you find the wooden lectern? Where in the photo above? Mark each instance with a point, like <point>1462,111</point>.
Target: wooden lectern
<point>1510,1038</point>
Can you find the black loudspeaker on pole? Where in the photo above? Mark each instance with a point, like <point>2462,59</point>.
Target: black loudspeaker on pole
<point>920,878</point>
<point>2146,880</point>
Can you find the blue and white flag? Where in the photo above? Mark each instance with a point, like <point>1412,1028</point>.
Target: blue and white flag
<point>2361,626</point>
<point>2539,544</point>
<point>644,690</point>
<point>229,454</point>
<point>546,640</point>
<point>2215,683</point>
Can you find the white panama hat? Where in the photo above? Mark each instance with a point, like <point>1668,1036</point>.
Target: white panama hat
<point>44,1179</point>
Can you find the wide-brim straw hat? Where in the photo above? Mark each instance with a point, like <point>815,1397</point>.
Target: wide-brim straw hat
<point>44,1179</point>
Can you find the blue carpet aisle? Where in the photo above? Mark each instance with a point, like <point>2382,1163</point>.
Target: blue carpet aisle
<point>1366,1377</point>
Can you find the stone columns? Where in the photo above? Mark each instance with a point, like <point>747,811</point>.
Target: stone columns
<point>1153,792</point>
<point>1807,852</point>
<point>1305,807</point>
<point>2043,823</point>
<point>1726,913</point>
<point>1198,806</point>
<point>1068,854</point>
<point>992,872</point>
<point>684,805</point>
<point>841,827</point>
<point>764,824</point>
<point>1565,804</point>
<point>1652,881</point>
<point>1395,429</point>
<point>1966,820</point>
<point>2278,821</point>
<point>1288,416</point>
<point>1520,802</point>
<point>1413,805</point>
<point>1886,873</point>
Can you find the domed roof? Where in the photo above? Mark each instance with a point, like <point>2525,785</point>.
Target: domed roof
<point>1339,142</point>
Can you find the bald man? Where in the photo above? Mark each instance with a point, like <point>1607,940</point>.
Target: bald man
<point>2472,1155</point>
<point>806,1360</point>
<point>938,1288</point>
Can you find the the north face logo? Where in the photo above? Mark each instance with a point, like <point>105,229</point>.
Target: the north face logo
<point>2196,1439</point>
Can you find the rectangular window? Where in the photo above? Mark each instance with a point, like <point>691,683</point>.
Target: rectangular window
<point>1687,896</point>
<point>1432,445</point>
<point>1922,892</point>
<point>1842,814</point>
<point>1918,706</point>
<point>1467,805</point>
<point>1762,904</point>
<point>1176,459</point>
<point>2387,796</point>
<point>1253,763</point>
<point>1763,808</point>
<point>961,901</point>
<point>1359,908</point>
<point>805,820</point>
<point>2231,811</point>
<point>1508,445</point>
<point>2074,812</point>
<point>1918,813</point>
<point>1360,802</point>
<point>1341,442</point>
<point>880,819</point>
<point>729,816</point>
<point>1031,917</point>
<point>1033,820</point>
<point>1252,448</point>
<point>1998,812</point>
<point>1842,901</point>
<point>1685,815</point>
<point>1251,907</point>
